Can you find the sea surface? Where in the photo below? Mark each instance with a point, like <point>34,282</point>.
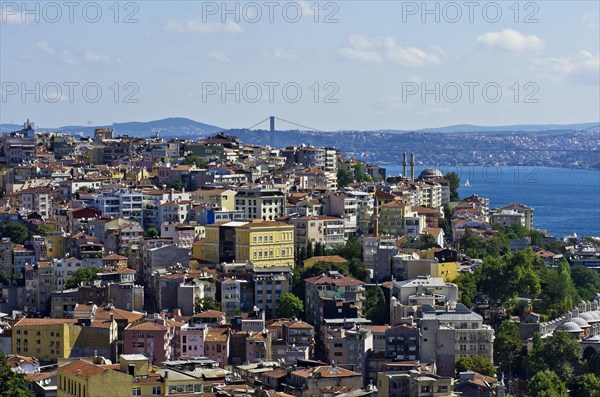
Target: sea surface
<point>565,201</point>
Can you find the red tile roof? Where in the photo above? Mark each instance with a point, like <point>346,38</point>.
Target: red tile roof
<point>82,368</point>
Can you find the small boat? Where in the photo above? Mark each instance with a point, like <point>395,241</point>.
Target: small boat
<point>467,183</point>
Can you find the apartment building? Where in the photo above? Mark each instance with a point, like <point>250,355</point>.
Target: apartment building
<point>260,203</point>
<point>265,243</point>
<point>327,230</point>
<point>448,335</point>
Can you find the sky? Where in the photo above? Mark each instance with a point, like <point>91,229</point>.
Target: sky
<point>345,65</point>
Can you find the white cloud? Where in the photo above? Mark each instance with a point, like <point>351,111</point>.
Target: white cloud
<point>285,54</point>
<point>510,40</point>
<point>218,56</point>
<point>583,67</point>
<point>91,57</point>
<point>197,26</point>
<point>44,46</point>
<point>408,56</point>
<point>590,20</point>
<point>385,48</point>
<point>68,58</point>
<point>365,56</point>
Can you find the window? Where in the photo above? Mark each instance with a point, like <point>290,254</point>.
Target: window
<point>156,390</point>
<point>137,391</point>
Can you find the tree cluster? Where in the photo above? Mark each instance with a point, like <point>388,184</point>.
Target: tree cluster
<point>81,275</point>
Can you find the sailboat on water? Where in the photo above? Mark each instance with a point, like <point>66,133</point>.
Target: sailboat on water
<point>467,183</point>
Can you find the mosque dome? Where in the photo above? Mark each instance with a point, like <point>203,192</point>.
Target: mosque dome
<point>588,316</point>
<point>430,173</point>
<point>581,322</point>
<point>569,326</point>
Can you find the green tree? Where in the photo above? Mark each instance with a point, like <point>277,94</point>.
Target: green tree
<point>377,309</point>
<point>12,384</point>
<point>177,185</point>
<point>17,233</point>
<point>352,249</point>
<point>81,275</point>
<point>358,270</point>
<point>475,363</point>
<point>318,268</point>
<point>586,385</point>
<point>310,250</point>
<point>593,363</point>
<point>546,384</point>
<point>427,241</point>
<point>560,353</point>
<point>509,276</point>
<point>454,180</point>
<point>360,173</point>
<point>586,280</point>
<point>300,256</point>
<point>206,303</point>
<point>152,232</point>
<point>473,245</point>
<point>319,249</point>
<point>199,162</point>
<point>290,306</point>
<point>467,285</point>
<point>497,245</point>
<point>507,345</point>
<point>345,175</point>
<point>43,229</point>
<point>558,290</point>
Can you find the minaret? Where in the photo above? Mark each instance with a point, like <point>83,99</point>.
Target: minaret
<point>404,164</point>
<point>412,166</point>
<point>376,217</point>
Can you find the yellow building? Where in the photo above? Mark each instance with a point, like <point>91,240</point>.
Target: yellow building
<point>426,267</point>
<point>133,377</point>
<point>265,243</point>
<point>80,378</point>
<point>391,218</point>
<point>55,245</point>
<point>48,339</point>
<point>218,197</point>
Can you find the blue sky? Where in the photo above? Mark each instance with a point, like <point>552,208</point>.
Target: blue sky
<point>374,65</point>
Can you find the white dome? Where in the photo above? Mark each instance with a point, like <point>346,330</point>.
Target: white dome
<point>569,326</point>
<point>588,316</point>
<point>581,322</point>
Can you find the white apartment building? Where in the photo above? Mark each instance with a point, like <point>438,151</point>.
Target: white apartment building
<point>125,204</point>
<point>260,203</point>
<point>448,335</point>
<point>365,204</point>
<point>341,204</point>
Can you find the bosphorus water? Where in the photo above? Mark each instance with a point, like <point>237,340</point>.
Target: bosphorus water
<point>565,201</point>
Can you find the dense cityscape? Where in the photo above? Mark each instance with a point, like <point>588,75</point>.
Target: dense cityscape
<point>166,266</point>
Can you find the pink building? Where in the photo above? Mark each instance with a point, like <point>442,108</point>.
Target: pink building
<point>152,339</point>
<point>191,340</point>
<point>216,345</point>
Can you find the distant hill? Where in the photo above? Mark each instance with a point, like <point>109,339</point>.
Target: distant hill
<point>513,128</point>
<point>184,127</point>
<point>167,128</point>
